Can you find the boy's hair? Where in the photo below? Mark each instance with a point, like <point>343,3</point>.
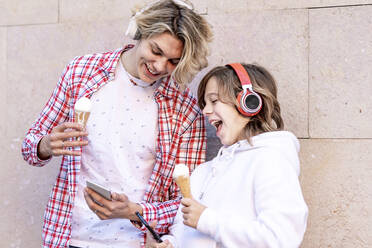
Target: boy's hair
<point>229,86</point>
<point>181,21</point>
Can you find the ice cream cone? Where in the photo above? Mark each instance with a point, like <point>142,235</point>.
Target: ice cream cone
<point>82,110</point>
<point>182,177</point>
<point>183,183</point>
<point>82,117</point>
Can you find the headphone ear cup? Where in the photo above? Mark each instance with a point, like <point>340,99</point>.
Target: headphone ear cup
<point>239,99</point>
<point>250,103</point>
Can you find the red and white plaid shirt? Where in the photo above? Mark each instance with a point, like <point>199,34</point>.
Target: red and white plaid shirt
<point>181,140</point>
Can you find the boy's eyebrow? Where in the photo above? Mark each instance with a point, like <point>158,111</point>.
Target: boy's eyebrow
<point>210,94</point>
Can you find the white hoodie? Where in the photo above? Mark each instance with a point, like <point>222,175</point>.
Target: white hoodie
<point>252,194</point>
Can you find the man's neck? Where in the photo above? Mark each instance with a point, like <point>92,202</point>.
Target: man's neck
<point>128,61</point>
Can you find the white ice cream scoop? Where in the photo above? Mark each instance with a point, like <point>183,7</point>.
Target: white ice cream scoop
<point>83,106</point>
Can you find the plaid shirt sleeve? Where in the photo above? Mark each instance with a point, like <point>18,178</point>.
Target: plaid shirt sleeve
<point>55,111</point>
<point>191,151</point>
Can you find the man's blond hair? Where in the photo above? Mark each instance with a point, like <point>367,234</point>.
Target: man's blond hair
<point>184,23</point>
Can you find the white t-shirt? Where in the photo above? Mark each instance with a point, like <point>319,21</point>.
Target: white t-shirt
<point>120,156</point>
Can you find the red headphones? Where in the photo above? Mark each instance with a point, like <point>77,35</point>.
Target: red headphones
<point>250,103</point>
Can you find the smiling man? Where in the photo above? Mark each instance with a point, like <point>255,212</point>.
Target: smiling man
<point>143,122</point>
<point>153,58</point>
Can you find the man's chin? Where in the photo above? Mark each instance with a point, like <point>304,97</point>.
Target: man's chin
<point>149,79</point>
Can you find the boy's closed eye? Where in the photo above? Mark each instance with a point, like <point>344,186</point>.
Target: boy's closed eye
<point>212,97</point>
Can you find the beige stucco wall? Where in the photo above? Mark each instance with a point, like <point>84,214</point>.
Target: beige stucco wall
<point>320,52</point>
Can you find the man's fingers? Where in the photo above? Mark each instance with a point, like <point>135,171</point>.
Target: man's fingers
<point>66,125</point>
<point>119,197</point>
<point>115,196</point>
<point>75,143</point>
<point>55,144</point>
<point>60,139</point>
<point>96,197</point>
<point>94,205</point>
<point>89,200</point>
<point>100,215</point>
<point>67,135</point>
<point>59,146</point>
<point>59,152</point>
<point>108,205</point>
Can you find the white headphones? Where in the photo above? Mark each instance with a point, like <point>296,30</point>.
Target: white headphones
<point>132,26</point>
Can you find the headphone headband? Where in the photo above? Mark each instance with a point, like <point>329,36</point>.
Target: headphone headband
<point>242,74</point>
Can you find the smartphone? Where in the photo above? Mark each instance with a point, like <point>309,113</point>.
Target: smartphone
<point>100,190</point>
<point>152,231</point>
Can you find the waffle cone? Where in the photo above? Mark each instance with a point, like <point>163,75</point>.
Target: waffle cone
<point>183,183</point>
<point>82,117</point>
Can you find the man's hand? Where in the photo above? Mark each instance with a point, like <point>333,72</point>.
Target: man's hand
<point>55,143</point>
<point>191,212</point>
<point>119,207</point>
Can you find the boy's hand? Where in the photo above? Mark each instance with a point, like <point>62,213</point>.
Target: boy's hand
<point>191,211</point>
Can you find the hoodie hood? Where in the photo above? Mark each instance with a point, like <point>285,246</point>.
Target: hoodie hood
<point>283,141</point>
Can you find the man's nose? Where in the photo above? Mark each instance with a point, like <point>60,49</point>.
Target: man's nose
<point>161,65</point>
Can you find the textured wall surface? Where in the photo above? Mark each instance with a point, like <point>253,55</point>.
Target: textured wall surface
<point>319,51</point>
